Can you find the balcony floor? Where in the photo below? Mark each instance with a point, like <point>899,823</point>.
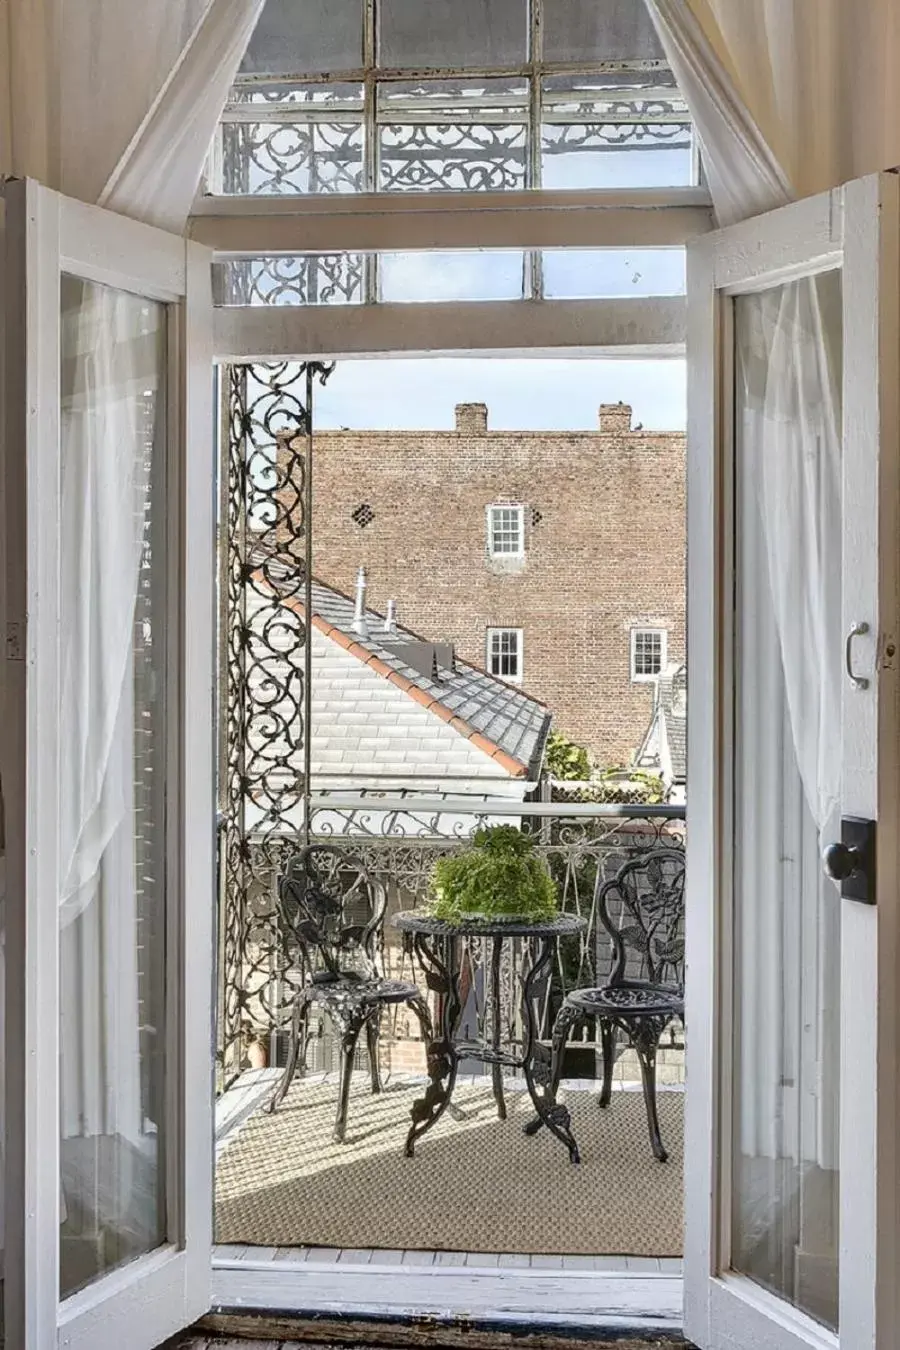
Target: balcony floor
<point>478,1191</point>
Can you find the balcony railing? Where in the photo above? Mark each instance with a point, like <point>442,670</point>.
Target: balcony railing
<point>398,839</point>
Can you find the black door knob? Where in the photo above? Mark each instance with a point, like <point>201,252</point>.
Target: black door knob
<point>841,861</point>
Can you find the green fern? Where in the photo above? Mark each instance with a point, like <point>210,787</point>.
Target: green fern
<point>498,877</point>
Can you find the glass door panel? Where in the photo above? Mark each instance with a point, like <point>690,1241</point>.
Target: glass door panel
<point>787,788</point>
<point>792,1167</point>
<point>107,758</point>
<point>112,916</point>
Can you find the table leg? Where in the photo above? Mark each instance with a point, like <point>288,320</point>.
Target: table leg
<point>441,966</point>
<point>539,1077</point>
<point>496,1027</point>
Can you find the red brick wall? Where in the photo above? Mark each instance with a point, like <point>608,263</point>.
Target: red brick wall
<point>607,554</point>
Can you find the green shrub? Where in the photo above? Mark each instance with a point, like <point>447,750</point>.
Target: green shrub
<point>636,787</point>
<point>565,759</point>
<point>498,877</point>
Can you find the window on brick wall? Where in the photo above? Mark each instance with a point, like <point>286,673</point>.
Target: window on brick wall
<point>648,653</point>
<point>504,653</point>
<point>506,531</point>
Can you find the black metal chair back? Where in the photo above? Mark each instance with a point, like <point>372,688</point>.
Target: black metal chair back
<point>334,912</point>
<point>642,910</point>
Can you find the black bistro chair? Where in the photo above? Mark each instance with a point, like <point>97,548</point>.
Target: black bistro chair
<point>642,910</point>
<point>332,918</point>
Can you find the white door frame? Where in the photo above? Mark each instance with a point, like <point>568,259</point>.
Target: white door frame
<point>855,227</point>
<point>151,1298</point>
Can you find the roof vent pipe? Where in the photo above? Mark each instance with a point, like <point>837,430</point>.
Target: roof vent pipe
<point>360,625</point>
<point>390,619</point>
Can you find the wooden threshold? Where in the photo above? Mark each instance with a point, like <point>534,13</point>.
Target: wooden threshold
<point>444,1305</point>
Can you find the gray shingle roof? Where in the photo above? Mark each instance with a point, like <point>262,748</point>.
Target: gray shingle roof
<point>513,721</point>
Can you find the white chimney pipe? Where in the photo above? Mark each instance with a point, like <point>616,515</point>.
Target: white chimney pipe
<point>390,619</point>
<point>360,625</point>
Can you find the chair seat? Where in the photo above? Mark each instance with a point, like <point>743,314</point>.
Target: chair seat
<point>630,997</point>
<point>358,993</point>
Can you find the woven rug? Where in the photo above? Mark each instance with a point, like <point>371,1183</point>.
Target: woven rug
<point>476,1184</point>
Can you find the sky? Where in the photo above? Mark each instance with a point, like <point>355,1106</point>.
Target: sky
<point>522,394</point>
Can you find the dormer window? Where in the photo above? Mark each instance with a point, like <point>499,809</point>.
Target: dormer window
<point>506,531</point>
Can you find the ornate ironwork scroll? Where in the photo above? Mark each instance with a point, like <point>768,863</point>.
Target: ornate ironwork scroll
<point>266,578</point>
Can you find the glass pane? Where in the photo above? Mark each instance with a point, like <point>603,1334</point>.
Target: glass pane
<point>618,130</point>
<point>452,34</point>
<point>307,38</point>
<point>588,32</point>
<point>112,819</point>
<point>293,139</point>
<point>462,275</point>
<point>589,273</point>
<point>785,1180</point>
<point>463,135</point>
<point>302,279</point>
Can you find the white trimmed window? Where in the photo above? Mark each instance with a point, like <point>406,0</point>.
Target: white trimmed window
<point>506,531</point>
<point>648,653</point>
<point>505,651</point>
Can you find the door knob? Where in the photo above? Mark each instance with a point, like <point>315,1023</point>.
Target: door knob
<point>851,860</point>
<point>841,861</point>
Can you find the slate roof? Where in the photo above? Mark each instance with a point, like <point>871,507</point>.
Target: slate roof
<point>673,693</point>
<point>668,720</point>
<point>499,719</point>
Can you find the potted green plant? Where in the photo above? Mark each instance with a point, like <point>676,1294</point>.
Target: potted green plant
<point>498,877</point>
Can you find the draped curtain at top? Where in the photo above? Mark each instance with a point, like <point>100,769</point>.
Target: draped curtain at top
<point>115,102</point>
<point>790,97</point>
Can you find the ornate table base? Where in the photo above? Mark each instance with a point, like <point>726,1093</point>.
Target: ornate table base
<point>436,945</point>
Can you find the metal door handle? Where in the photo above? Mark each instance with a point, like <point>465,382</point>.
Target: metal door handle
<point>858,681</point>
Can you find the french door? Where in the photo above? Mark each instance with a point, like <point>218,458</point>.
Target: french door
<point>794,742</point>
<point>108,487</point>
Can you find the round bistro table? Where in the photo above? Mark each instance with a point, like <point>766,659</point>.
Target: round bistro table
<point>437,946</point>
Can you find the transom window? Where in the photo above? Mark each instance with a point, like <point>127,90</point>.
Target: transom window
<point>648,653</point>
<point>337,96</point>
<point>506,531</point>
<point>504,653</point>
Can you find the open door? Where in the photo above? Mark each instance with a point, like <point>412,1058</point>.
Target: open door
<point>108,490</point>
<point>792,984</point>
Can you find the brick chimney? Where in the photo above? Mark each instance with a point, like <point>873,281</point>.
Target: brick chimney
<point>471,419</point>
<point>615,418</point>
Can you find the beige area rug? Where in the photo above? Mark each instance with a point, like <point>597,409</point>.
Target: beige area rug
<point>476,1184</point>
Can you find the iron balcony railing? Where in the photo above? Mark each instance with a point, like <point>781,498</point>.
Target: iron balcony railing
<point>398,838</point>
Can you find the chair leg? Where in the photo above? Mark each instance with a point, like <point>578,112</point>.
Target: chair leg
<point>304,1041</point>
<point>298,1023</point>
<point>349,1036</point>
<point>608,1045</point>
<point>373,1033</point>
<point>646,1052</point>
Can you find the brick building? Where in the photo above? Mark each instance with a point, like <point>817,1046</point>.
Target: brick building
<point>552,558</point>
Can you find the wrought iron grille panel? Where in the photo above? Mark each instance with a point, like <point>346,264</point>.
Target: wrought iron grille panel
<point>414,146</point>
<point>291,279</point>
<point>265,559</point>
<point>451,127</point>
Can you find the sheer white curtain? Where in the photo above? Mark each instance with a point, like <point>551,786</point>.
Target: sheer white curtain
<point>117,103</point>
<point>112,409</point>
<point>788,770</point>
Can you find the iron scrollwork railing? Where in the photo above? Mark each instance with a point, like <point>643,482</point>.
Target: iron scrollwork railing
<point>398,842</point>
<point>266,575</point>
